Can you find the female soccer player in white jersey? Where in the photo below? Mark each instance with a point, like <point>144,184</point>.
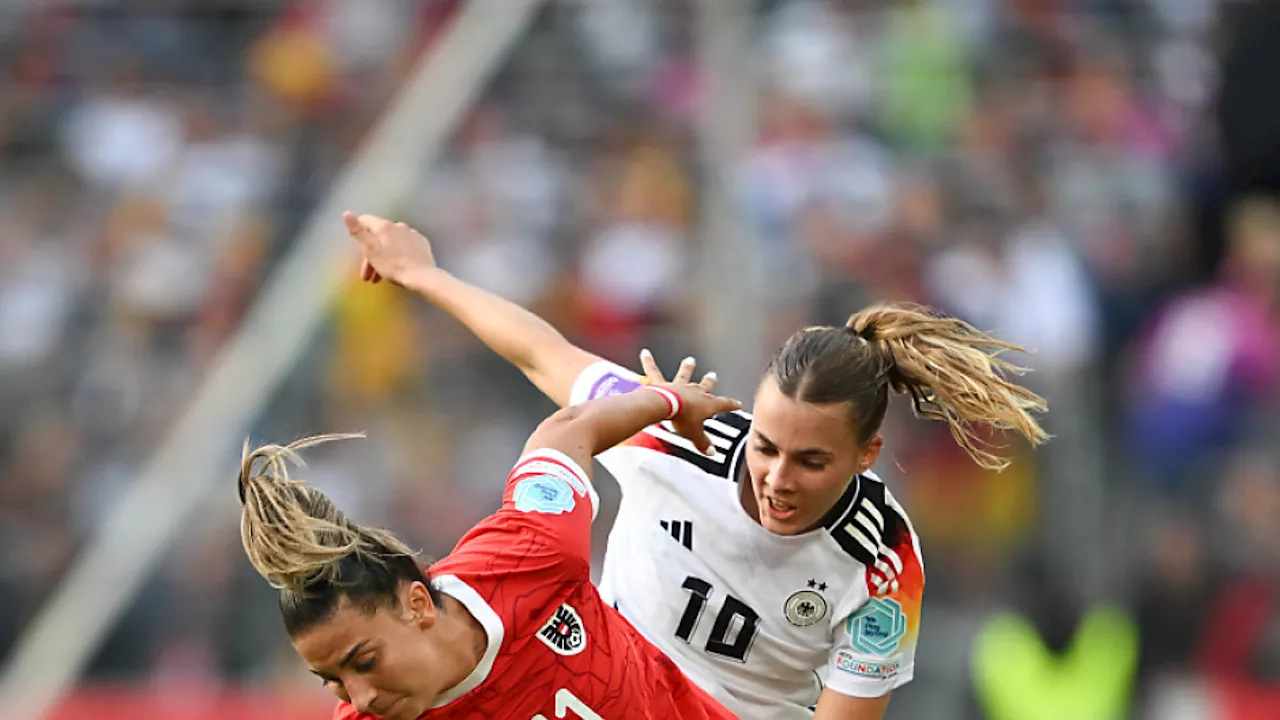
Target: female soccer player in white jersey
<point>778,572</point>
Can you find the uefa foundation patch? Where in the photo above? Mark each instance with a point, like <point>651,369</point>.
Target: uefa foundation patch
<point>870,669</point>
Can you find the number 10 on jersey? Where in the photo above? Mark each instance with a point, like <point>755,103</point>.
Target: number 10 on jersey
<point>734,628</point>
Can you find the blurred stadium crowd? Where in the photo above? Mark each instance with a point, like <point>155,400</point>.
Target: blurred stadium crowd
<point>1052,170</point>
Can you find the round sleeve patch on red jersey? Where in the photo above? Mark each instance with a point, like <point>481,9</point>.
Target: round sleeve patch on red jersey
<point>543,494</point>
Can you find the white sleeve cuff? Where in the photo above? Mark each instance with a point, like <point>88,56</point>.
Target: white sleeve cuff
<point>602,379</point>
<point>848,683</point>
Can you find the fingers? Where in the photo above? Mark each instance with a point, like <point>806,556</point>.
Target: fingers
<point>362,233</point>
<point>685,373</point>
<point>364,227</point>
<point>374,223</point>
<point>719,403</point>
<point>708,382</point>
<point>684,376</point>
<point>650,367</point>
<point>354,226</point>
<point>725,404</point>
<point>703,443</point>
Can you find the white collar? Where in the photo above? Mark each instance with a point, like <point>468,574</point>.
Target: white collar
<point>488,619</point>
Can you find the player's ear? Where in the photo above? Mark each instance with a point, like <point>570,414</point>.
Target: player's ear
<point>870,453</point>
<point>418,606</point>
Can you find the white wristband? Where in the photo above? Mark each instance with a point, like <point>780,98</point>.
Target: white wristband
<point>674,403</point>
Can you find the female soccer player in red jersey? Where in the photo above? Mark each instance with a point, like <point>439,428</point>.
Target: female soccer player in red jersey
<point>778,572</point>
<point>508,625</point>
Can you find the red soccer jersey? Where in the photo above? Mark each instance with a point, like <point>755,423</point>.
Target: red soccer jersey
<point>556,649</point>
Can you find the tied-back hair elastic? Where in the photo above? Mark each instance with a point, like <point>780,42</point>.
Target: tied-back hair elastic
<point>868,332</point>
<point>924,401</point>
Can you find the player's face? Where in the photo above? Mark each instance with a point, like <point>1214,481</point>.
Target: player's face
<point>801,457</point>
<point>387,663</point>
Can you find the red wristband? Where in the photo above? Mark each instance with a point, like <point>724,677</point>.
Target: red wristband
<point>674,403</point>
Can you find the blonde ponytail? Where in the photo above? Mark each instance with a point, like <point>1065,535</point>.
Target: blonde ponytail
<point>294,535</point>
<point>953,372</point>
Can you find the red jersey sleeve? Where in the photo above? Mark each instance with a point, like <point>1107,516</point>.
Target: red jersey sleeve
<point>551,494</point>
<point>543,530</point>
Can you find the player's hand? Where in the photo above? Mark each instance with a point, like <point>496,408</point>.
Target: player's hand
<point>393,251</point>
<point>698,402</point>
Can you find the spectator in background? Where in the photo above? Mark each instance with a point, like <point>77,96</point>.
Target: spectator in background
<point>1112,184</point>
<point>925,61</point>
<point>632,268</point>
<point>1211,361</point>
<point>495,203</point>
<point>120,136</point>
<point>1240,642</point>
<point>1176,586</point>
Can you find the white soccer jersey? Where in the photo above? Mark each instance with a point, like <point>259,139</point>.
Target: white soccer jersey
<point>761,621</point>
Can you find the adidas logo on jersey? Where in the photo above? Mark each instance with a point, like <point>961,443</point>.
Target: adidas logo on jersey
<point>681,530</point>
<point>563,631</point>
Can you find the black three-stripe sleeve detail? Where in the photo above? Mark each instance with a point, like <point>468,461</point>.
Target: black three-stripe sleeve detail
<point>728,431</point>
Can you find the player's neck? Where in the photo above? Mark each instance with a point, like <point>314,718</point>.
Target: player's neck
<point>468,639</point>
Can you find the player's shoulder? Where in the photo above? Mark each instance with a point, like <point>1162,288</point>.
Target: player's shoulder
<point>506,544</point>
<point>872,528</point>
<point>512,546</point>
<point>727,432</point>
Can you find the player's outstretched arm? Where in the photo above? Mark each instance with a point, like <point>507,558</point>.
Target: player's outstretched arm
<point>399,253</point>
<point>586,430</point>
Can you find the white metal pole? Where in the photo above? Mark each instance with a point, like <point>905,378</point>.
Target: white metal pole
<point>731,327</point>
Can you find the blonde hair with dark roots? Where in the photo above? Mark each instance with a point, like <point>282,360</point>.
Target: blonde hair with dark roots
<point>302,544</point>
<point>952,372</point>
